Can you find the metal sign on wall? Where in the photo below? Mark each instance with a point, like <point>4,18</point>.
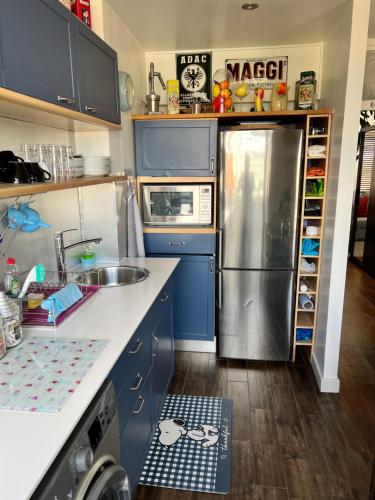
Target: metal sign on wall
<point>194,74</point>
<point>259,71</point>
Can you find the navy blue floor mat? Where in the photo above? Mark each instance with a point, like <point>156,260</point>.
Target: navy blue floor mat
<point>191,447</point>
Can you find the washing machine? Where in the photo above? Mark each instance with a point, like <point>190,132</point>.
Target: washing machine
<point>88,467</point>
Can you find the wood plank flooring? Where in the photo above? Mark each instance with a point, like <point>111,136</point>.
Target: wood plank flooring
<point>289,440</point>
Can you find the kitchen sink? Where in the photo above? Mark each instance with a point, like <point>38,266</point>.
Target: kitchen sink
<point>114,276</point>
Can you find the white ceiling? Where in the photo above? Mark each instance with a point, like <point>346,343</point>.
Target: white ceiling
<point>196,24</point>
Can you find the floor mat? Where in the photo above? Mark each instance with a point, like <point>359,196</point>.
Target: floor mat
<point>191,448</point>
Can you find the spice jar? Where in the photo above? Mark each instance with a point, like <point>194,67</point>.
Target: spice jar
<point>11,319</point>
<point>306,91</point>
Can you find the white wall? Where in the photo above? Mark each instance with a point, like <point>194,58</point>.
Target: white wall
<point>343,69</point>
<point>300,58</point>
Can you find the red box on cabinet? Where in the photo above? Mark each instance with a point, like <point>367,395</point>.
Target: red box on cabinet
<point>81,8</point>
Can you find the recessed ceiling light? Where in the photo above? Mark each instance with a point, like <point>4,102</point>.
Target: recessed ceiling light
<point>250,6</point>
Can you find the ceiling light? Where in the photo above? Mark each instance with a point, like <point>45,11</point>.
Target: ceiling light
<point>250,6</point>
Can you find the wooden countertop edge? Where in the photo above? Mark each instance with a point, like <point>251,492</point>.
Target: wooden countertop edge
<point>10,190</point>
<point>235,114</point>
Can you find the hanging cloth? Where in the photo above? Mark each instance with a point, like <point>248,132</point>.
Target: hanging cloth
<point>136,246</point>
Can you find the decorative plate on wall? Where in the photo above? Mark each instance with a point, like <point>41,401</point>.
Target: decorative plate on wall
<point>126,90</point>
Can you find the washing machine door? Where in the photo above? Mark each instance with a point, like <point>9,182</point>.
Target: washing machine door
<point>106,480</point>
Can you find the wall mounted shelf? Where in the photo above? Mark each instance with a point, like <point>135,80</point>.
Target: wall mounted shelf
<point>11,190</point>
<point>235,114</point>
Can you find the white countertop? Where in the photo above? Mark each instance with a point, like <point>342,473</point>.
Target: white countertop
<point>29,442</point>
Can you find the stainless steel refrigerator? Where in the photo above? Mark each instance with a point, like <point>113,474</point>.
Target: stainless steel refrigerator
<point>257,241</point>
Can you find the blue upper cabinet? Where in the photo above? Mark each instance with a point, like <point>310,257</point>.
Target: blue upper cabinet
<point>37,42</point>
<point>97,75</point>
<point>176,147</point>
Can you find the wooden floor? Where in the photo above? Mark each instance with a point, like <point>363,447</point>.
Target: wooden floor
<point>289,440</point>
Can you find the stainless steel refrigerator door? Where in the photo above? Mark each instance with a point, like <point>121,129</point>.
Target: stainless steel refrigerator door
<point>255,314</point>
<point>259,189</point>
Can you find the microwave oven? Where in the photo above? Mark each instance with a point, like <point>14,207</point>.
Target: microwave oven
<point>177,204</point>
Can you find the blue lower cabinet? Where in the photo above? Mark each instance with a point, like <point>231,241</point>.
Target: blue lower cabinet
<point>163,358</point>
<point>137,434</point>
<point>194,297</point>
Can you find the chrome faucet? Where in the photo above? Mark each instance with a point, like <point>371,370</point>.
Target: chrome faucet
<point>61,249</point>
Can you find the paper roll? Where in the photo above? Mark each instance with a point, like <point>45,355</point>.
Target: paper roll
<point>305,302</point>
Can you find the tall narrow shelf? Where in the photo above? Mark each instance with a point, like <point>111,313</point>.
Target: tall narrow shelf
<point>304,318</point>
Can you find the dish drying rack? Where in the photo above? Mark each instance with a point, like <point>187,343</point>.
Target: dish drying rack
<point>53,282</point>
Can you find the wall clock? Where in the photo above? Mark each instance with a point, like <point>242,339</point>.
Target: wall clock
<point>126,90</point>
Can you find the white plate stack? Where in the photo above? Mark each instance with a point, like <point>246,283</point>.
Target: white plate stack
<point>96,166</point>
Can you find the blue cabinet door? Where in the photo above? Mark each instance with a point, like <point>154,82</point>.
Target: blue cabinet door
<point>97,76</point>
<point>38,50</point>
<point>194,297</point>
<point>163,357</point>
<point>137,434</point>
<point>176,147</point>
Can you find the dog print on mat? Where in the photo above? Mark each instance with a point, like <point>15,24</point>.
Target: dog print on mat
<point>172,429</point>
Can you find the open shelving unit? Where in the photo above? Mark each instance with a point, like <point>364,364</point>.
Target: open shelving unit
<point>306,318</point>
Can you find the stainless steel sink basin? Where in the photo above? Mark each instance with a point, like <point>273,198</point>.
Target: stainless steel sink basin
<point>114,276</point>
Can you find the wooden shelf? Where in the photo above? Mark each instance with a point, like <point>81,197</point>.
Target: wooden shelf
<point>313,217</point>
<point>312,136</point>
<point>235,114</point>
<point>24,108</point>
<point>304,310</point>
<point>314,198</point>
<point>309,177</point>
<point>315,237</point>
<point>304,342</point>
<point>320,157</point>
<point>310,256</point>
<point>180,230</point>
<point>174,180</point>
<point>313,275</point>
<point>10,190</point>
<point>305,319</point>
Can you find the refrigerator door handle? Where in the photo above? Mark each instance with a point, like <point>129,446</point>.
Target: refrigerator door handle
<point>220,248</point>
<point>220,290</point>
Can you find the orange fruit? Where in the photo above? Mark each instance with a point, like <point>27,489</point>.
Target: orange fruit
<point>228,102</point>
<point>224,84</point>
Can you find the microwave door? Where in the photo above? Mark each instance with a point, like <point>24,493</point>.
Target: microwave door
<point>170,205</point>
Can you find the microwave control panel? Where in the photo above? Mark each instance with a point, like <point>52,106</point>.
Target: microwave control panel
<point>205,204</point>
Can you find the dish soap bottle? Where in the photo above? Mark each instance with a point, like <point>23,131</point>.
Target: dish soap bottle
<point>12,282</point>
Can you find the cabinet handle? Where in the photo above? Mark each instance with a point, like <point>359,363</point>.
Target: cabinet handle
<point>142,400</point>
<point>92,110</point>
<point>176,243</point>
<point>211,264</point>
<point>137,348</point>
<point>155,337</point>
<point>138,385</point>
<point>164,298</point>
<point>66,100</point>
<point>212,165</point>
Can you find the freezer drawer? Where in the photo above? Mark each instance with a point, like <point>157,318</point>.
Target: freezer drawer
<point>254,313</point>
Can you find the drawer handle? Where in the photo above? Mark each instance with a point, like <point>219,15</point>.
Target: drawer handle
<point>142,400</point>
<point>138,385</point>
<point>212,165</point>
<point>164,298</point>
<point>92,110</point>
<point>66,100</point>
<point>176,243</point>
<point>137,348</point>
